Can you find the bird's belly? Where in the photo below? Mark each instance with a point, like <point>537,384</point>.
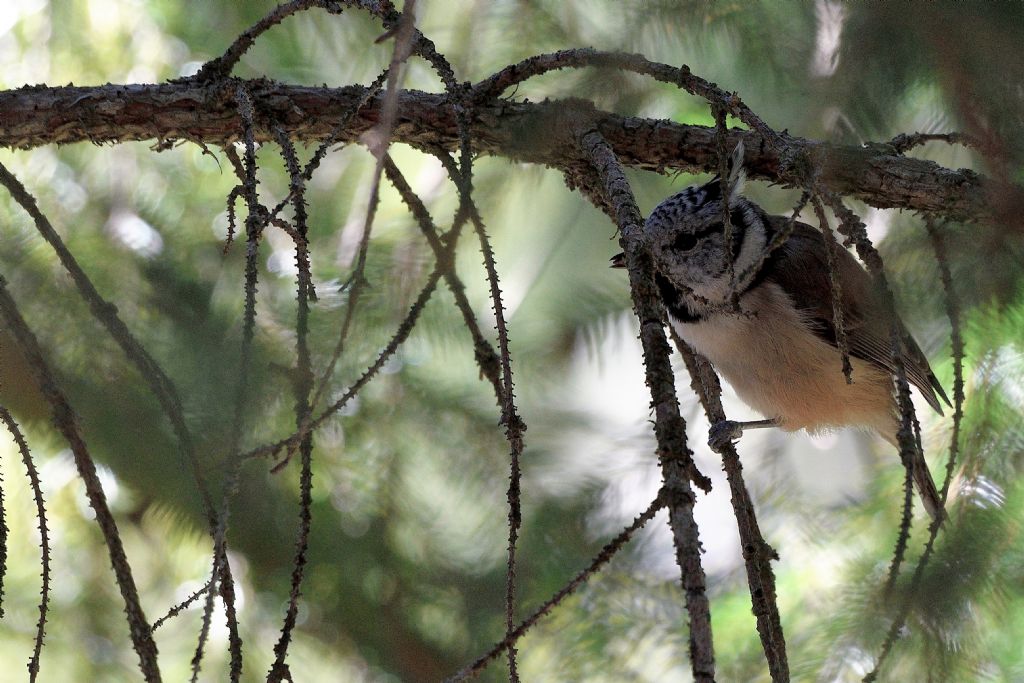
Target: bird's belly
<point>779,367</point>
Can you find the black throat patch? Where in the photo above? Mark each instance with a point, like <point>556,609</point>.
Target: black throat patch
<point>674,301</point>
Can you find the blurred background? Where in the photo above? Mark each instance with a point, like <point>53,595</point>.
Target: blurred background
<point>408,548</point>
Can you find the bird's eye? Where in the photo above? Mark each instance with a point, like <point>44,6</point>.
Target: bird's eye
<point>685,242</point>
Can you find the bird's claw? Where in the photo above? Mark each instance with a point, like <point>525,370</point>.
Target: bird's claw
<point>724,433</point>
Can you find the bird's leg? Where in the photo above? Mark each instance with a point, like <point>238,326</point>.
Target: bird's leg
<point>727,431</point>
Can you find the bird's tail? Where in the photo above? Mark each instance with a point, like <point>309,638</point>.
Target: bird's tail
<point>922,476</point>
<point>926,487</point>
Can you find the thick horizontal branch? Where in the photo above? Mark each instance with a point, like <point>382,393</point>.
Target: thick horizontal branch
<point>532,132</point>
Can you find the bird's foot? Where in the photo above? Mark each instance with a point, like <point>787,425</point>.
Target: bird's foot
<point>724,433</point>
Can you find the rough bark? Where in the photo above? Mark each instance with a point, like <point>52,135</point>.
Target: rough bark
<point>532,132</point>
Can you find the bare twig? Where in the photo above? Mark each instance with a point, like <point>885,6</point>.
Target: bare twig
<point>835,289</point>
<point>183,605</point>
<point>486,357</point>
<point>602,558</point>
<point>953,311</point>
<point>406,326</point>
<point>904,142</point>
<point>303,386</point>
<point>44,537</point>
<point>957,343</point>
<point>159,383</point>
<point>903,536</point>
<point>909,447</point>
<point>106,313</point>
<point>222,66</point>
<point>378,142</point>
<point>235,193</point>
<point>318,156</point>
<point>340,128</point>
<point>682,76</point>
<point>514,425</point>
<point>853,228</point>
<point>419,44</point>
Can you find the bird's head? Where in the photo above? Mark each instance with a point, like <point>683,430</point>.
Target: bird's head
<point>686,237</point>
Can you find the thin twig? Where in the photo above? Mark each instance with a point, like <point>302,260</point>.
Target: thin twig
<point>514,428</point>
<point>957,343</point>
<point>514,425</point>
<point>404,328</point>
<point>581,57</point>
<point>903,536</point>
<point>953,311</point>
<point>419,44</point>
<point>310,167</point>
<point>44,537</point>
<point>343,121</point>
<point>222,66</point>
<point>601,559</point>
<point>726,189</point>
<point>106,313</point>
<point>853,228</point>
<point>303,386</point>
<point>835,288</point>
<point>909,447</point>
<point>159,382</point>
<point>235,193</point>
<point>378,147</point>
<point>183,605</point>
<point>486,358</point>
<point>904,142</point>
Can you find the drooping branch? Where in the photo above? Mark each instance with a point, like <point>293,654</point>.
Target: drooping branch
<point>302,388</point>
<point>669,426</point>
<point>66,422</point>
<point>878,174</point>
<point>44,537</point>
<point>757,553</point>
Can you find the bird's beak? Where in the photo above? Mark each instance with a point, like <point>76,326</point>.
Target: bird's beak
<point>618,261</point>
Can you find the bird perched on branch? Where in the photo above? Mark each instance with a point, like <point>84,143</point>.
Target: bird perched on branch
<point>767,321</point>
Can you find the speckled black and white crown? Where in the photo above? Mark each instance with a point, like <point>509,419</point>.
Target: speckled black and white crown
<point>686,237</point>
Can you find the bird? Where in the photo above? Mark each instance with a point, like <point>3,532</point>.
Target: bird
<point>767,322</point>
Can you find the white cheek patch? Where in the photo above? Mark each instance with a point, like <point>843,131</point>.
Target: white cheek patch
<point>709,272</point>
<point>755,239</point>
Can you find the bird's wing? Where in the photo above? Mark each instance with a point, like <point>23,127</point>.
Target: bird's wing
<point>800,268</point>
